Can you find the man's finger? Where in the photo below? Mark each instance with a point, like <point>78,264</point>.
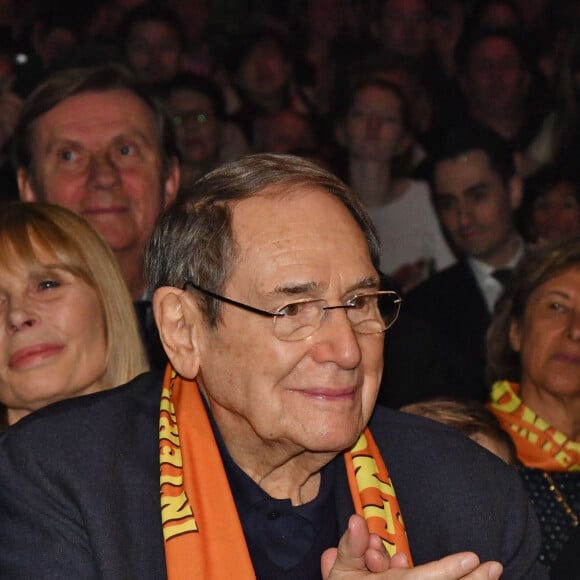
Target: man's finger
<point>460,566</point>
<point>353,544</point>
<point>351,549</point>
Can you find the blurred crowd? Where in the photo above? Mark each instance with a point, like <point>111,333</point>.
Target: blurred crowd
<point>363,87</point>
<point>456,123</point>
<point>372,90</point>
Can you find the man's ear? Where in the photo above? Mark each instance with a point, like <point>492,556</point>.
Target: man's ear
<point>179,321</point>
<point>516,191</point>
<point>27,192</point>
<point>515,335</point>
<point>171,185</point>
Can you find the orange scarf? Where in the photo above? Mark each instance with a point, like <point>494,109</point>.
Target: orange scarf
<point>201,528</point>
<point>538,444</point>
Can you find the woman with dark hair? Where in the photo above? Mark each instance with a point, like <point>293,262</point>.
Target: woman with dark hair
<point>263,75</point>
<point>374,127</point>
<point>205,137</point>
<point>471,418</point>
<point>534,358</point>
<point>550,211</point>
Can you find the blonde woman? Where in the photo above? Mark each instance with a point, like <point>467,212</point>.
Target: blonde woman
<point>68,323</point>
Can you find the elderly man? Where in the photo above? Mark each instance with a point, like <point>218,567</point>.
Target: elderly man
<point>269,306</point>
<point>95,142</point>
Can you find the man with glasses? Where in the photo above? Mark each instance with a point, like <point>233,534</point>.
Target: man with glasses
<point>476,192</point>
<point>250,456</point>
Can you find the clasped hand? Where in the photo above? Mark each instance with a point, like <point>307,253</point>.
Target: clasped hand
<point>362,555</point>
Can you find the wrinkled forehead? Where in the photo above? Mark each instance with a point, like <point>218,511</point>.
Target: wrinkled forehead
<point>153,31</point>
<point>301,205</point>
<point>464,170</point>
<point>115,109</point>
<point>560,190</point>
<point>298,227</point>
<point>190,97</point>
<point>419,8</point>
<point>495,48</point>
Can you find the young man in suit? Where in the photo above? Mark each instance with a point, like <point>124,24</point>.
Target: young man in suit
<point>476,190</point>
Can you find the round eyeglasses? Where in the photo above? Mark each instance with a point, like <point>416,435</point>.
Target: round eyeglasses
<point>369,313</point>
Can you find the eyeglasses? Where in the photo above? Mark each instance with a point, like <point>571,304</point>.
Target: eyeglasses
<point>198,117</point>
<point>368,313</point>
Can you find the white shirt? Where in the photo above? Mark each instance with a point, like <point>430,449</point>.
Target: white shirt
<point>409,230</point>
<point>489,286</point>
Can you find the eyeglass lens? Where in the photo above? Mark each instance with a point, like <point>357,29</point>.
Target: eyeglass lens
<point>368,314</point>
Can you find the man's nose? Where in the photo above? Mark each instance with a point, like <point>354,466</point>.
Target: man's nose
<point>336,341</point>
<point>191,122</point>
<point>103,171</point>
<point>464,212</point>
<point>373,124</point>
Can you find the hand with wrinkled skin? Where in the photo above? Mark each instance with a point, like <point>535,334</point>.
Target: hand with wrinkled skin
<point>362,555</point>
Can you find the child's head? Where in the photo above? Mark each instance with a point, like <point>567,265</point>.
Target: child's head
<point>550,211</point>
<point>471,418</point>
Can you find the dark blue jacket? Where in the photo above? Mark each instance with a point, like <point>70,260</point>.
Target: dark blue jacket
<point>79,491</point>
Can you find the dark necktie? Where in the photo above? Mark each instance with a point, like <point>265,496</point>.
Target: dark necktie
<point>503,275</point>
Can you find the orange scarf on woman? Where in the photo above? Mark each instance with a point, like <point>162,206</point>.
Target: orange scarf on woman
<point>539,445</point>
<point>201,528</point>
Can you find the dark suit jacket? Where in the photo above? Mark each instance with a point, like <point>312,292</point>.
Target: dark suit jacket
<point>414,368</point>
<point>79,491</point>
<point>453,305</point>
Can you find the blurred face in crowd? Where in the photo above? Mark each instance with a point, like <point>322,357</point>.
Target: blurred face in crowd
<point>406,27</point>
<point>285,131</point>
<point>57,42</point>
<point>548,339</point>
<point>495,82</point>
<point>265,71</point>
<point>197,127</point>
<point>556,213</point>
<point>153,51</point>
<point>194,16</point>
<point>325,18</point>
<point>374,127</point>
<point>98,154</point>
<point>532,10</point>
<point>52,337</point>
<point>476,207</point>
<point>499,16</point>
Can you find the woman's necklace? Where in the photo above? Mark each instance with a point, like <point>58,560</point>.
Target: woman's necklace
<point>561,499</point>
